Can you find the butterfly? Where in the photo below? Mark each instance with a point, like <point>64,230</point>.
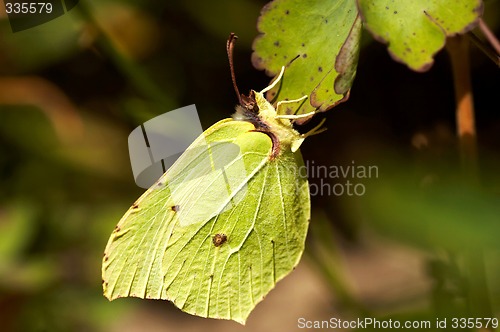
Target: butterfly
<point>225,223</point>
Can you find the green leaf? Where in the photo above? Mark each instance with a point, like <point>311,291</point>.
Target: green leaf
<point>416,30</point>
<point>319,41</point>
<point>222,226</point>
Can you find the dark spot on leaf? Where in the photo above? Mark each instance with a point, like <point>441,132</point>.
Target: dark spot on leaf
<point>117,228</point>
<point>219,239</point>
<point>175,208</point>
<point>135,206</point>
<point>277,43</point>
<point>211,276</point>
<point>326,21</point>
<point>103,281</point>
<point>304,55</point>
<point>106,258</point>
<point>395,12</point>
<point>320,69</point>
<point>303,44</point>
<point>386,7</point>
<point>287,12</point>
<point>327,91</point>
<point>408,49</point>
<point>275,54</point>
<point>285,57</point>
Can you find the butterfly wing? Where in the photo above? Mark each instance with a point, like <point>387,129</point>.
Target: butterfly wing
<point>164,247</point>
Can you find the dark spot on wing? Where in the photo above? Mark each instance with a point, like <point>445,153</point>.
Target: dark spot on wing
<point>219,239</point>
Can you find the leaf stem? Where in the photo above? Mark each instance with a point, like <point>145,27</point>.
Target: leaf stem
<point>458,48</point>
<point>489,36</point>
<point>486,49</point>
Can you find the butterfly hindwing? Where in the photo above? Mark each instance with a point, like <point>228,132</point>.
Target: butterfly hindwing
<point>221,227</point>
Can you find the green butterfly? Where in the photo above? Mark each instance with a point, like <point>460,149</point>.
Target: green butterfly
<point>224,224</point>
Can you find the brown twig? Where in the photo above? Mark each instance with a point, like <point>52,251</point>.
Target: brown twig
<point>458,49</point>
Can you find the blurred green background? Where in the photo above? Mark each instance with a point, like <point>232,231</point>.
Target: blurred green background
<point>422,242</point>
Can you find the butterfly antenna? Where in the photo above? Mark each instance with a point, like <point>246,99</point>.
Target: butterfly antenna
<point>229,46</point>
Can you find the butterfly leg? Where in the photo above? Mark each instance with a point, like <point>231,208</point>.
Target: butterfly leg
<point>291,116</point>
<point>275,81</point>
<point>316,130</point>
